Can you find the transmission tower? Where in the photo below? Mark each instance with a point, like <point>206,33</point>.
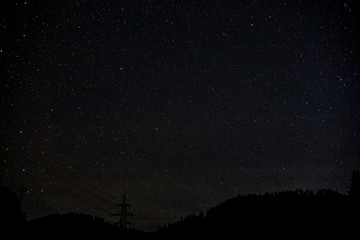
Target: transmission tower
<point>123,214</point>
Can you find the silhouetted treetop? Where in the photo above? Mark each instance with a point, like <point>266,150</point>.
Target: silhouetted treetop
<point>354,187</point>
<point>10,212</point>
<point>273,214</point>
<point>260,215</point>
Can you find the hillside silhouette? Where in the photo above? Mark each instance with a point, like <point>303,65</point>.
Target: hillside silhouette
<point>77,224</point>
<point>10,212</point>
<point>274,214</point>
<point>300,213</point>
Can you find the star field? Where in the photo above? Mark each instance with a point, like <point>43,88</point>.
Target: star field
<point>178,105</point>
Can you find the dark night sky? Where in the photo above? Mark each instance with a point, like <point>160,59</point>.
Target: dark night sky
<point>177,104</point>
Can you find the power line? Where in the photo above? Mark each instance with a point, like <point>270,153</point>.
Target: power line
<point>78,186</point>
<point>67,180</point>
<point>78,198</point>
<point>74,183</point>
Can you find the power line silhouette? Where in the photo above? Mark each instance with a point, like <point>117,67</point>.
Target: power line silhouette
<point>69,193</point>
<point>78,186</point>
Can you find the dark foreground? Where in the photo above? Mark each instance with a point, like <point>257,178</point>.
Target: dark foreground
<point>287,214</point>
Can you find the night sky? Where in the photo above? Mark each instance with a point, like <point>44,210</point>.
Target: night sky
<point>180,105</point>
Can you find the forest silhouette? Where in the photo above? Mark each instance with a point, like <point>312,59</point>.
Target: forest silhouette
<point>284,214</point>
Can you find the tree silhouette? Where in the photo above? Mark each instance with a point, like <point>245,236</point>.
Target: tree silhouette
<point>275,214</point>
<point>10,212</point>
<point>354,187</point>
